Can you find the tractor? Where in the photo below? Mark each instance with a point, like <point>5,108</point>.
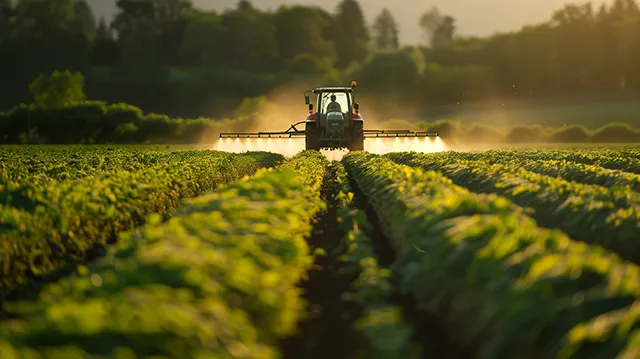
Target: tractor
<point>336,124</point>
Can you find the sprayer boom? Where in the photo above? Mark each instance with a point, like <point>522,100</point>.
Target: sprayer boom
<point>289,133</point>
<point>397,133</point>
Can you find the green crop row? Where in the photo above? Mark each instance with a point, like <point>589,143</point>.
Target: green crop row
<point>385,333</point>
<point>218,280</point>
<point>623,159</point>
<point>46,226</point>
<point>31,163</point>
<point>506,286</point>
<point>581,173</point>
<point>566,169</point>
<point>605,216</point>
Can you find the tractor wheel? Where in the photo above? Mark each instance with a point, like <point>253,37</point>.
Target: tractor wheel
<point>357,138</point>
<point>312,136</point>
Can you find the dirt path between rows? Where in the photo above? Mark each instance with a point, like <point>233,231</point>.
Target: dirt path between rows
<point>328,332</point>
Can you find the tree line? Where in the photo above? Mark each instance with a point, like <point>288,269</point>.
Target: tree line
<point>167,56</point>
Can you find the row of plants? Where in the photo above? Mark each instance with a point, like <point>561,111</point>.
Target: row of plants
<point>563,168</point>
<point>48,225</point>
<point>385,333</point>
<point>623,159</point>
<point>503,285</point>
<point>580,172</point>
<point>64,162</point>
<point>607,216</point>
<point>217,280</point>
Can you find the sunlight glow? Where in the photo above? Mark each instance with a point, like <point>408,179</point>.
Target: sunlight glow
<point>291,146</point>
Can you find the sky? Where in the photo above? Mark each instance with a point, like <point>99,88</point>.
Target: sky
<point>473,17</point>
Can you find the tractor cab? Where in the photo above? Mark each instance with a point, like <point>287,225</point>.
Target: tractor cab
<point>334,108</point>
<point>334,122</point>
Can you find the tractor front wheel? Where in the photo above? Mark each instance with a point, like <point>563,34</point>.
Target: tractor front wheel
<point>312,136</point>
<point>357,138</point>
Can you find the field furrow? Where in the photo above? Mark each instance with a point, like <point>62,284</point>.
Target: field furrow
<point>502,284</point>
<point>599,215</point>
<point>383,328</point>
<point>217,280</point>
<point>46,227</point>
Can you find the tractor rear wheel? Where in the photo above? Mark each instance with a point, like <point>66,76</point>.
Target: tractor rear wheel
<point>357,137</point>
<point>312,136</point>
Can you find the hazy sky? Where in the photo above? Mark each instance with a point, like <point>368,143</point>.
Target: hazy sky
<point>474,17</point>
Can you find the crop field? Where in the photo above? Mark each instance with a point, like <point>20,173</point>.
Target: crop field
<point>175,252</point>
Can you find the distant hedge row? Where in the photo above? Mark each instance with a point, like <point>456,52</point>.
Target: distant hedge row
<point>479,133</point>
<point>97,122</point>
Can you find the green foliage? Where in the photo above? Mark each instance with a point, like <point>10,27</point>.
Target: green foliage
<point>382,326</point>
<point>616,132</point>
<point>52,219</point>
<point>570,134</point>
<point>503,283</point>
<point>300,31</point>
<point>351,34</point>
<point>606,216</point>
<point>216,280</point>
<point>58,89</point>
<point>386,31</point>
<point>97,122</point>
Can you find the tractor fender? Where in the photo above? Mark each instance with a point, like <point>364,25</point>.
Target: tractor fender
<point>356,117</point>
<point>312,117</point>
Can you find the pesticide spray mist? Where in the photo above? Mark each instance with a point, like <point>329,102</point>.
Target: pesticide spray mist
<point>291,146</point>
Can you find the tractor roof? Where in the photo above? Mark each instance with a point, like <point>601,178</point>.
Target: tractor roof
<point>332,89</point>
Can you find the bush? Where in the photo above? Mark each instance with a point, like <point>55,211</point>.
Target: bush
<point>449,129</point>
<point>570,134</point>
<point>525,134</point>
<point>58,89</point>
<point>482,133</point>
<point>616,132</point>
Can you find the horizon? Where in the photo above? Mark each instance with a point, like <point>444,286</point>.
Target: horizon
<point>481,18</point>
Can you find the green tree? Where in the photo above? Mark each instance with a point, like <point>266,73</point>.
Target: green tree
<point>249,40</point>
<point>351,35</point>
<point>245,5</point>
<point>105,48</point>
<point>438,29</point>
<point>44,35</point>
<point>58,89</point>
<point>139,42</point>
<point>84,15</point>
<point>301,30</point>
<point>200,45</point>
<point>5,16</point>
<point>156,25</point>
<point>389,78</point>
<point>172,18</point>
<point>385,31</point>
